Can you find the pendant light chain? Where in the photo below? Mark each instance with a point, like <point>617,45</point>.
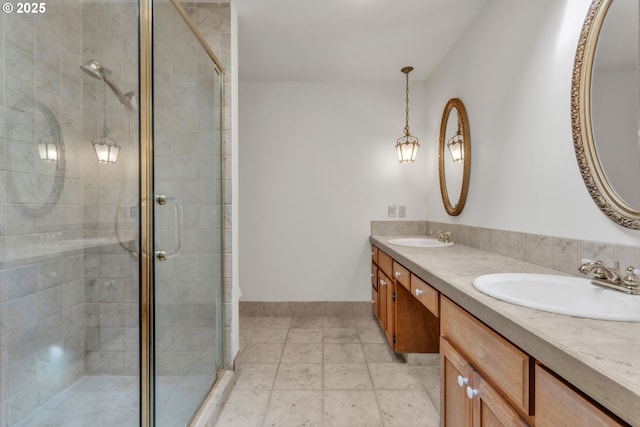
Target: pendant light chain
<point>406,125</point>
<point>105,129</point>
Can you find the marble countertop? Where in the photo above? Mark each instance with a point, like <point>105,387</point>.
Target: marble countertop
<point>599,357</point>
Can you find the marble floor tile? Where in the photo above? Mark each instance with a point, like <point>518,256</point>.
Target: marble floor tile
<point>347,377</point>
<point>264,335</point>
<point>333,371</point>
<point>299,376</point>
<point>343,353</point>
<point>302,353</point>
<point>256,377</point>
<point>368,322</point>
<point>403,408</point>
<point>244,408</point>
<point>304,336</point>
<point>351,408</point>
<point>339,322</point>
<point>294,408</point>
<point>307,322</point>
<point>372,336</point>
<point>278,322</point>
<point>379,353</point>
<point>394,376</point>
<point>341,335</point>
<point>262,353</point>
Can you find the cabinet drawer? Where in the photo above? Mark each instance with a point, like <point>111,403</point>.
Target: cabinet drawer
<point>374,254</point>
<point>558,405</point>
<point>499,361</point>
<point>425,294</point>
<point>402,275</point>
<point>385,263</point>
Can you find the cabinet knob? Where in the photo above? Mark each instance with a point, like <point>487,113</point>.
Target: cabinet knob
<point>418,293</point>
<point>382,282</point>
<point>398,273</point>
<point>462,381</point>
<point>471,393</point>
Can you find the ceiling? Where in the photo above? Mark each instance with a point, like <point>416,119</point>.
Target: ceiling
<point>347,40</point>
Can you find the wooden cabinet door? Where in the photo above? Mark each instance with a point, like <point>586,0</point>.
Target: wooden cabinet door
<point>455,374</point>
<point>489,408</point>
<point>558,405</point>
<point>390,324</point>
<point>374,301</point>
<point>383,284</point>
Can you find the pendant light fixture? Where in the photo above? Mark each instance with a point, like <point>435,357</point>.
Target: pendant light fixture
<point>105,147</point>
<point>456,145</point>
<point>407,145</point>
<point>48,150</point>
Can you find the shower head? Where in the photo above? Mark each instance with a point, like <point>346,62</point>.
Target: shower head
<point>93,68</point>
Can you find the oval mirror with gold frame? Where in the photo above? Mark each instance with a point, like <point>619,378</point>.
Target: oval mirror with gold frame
<point>604,125</point>
<point>454,156</point>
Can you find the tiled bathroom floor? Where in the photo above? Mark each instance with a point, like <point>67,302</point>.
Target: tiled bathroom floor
<point>327,371</point>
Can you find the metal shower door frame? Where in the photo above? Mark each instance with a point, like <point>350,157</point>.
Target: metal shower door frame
<point>147,196</point>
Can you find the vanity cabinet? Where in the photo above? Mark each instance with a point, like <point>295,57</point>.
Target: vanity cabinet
<point>468,400</point>
<point>485,380</point>
<point>409,325</point>
<point>560,405</point>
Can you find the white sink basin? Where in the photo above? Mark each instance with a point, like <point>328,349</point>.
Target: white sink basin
<point>420,242</point>
<point>574,296</point>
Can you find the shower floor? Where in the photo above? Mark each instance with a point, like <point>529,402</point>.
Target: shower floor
<point>112,401</point>
<point>94,401</point>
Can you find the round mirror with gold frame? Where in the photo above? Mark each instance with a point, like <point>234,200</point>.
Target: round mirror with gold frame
<point>454,156</point>
<point>605,109</point>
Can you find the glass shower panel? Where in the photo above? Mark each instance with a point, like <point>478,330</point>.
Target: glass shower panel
<point>69,350</point>
<point>188,225</point>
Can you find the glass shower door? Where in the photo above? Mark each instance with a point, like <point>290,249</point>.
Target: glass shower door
<point>187,215</point>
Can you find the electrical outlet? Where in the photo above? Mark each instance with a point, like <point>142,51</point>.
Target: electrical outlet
<point>391,210</point>
<point>402,211</point>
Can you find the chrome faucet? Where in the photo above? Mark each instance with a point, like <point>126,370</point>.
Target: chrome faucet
<point>612,278</point>
<point>443,236</point>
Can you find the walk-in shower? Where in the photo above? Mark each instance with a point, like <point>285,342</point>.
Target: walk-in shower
<point>96,327</point>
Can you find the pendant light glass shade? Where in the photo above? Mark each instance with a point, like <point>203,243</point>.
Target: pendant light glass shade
<point>407,145</point>
<point>106,149</point>
<point>407,148</point>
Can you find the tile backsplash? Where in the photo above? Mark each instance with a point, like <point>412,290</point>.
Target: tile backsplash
<point>557,253</point>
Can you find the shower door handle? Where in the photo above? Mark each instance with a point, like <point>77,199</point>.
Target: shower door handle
<point>163,200</point>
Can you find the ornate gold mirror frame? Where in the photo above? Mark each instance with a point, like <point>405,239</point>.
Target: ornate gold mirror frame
<point>463,126</point>
<point>583,141</point>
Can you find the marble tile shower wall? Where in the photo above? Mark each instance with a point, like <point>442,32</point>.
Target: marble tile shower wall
<point>41,287</point>
<point>110,35</point>
<point>188,166</point>
<point>558,253</point>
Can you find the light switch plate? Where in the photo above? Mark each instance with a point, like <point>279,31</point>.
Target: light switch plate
<point>391,210</point>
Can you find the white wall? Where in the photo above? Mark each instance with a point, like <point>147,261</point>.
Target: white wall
<point>512,69</point>
<point>317,163</point>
